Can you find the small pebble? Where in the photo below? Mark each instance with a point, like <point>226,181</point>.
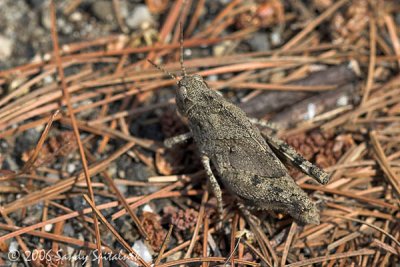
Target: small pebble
<point>103,10</point>
<point>76,16</point>
<point>148,208</point>
<point>276,37</point>
<point>53,175</point>
<point>48,79</point>
<point>13,246</point>
<point>48,227</point>
<point>123,189</point>
<point>175,256</point>
<point>121,174</point>
<point>140,15</point>
<point>187,52</point>
<point>212,78</point>
<point>10,163</point>
<point>6,47</point>
<point>112,169</point>
<point>45,19</point>
<point>342,101</point>
<point>71,168</point>
<point>143,251</point>
<point>220,49</point>
<point>311,111</point>
<point>69,229</point>
<point>260,42</point>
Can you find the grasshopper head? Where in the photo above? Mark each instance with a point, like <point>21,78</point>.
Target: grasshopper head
<point>191,91</point>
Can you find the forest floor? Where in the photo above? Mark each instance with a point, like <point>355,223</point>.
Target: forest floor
<point>83,117</point>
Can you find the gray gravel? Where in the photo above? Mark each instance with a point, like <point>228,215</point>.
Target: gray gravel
<point>25,25</point>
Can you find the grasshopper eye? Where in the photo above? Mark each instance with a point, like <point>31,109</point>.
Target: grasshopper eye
<point>182,92</point>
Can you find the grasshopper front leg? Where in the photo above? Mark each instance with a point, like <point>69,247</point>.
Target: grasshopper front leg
<point>170,142</point>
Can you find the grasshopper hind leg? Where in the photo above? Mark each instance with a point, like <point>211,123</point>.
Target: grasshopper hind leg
<point>290,153</point>
<point>297,160</point>
<point>214,185</point>
<point>280,194</point>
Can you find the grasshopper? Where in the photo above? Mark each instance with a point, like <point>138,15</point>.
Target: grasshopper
<point>242,158</point>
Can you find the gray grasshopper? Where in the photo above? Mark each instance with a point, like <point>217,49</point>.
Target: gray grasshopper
<point>242,158</point>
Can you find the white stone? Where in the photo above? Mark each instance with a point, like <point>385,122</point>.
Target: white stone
<point>147,208</point>
<point>76,16</point>
<point>311,111</point>
<point>71,168</point>
<point>343,101</point>
<point>139,16</point>
<point>6,47</point>
<point>48,227</point>
<point>13,246</point>
<point>143,251</point>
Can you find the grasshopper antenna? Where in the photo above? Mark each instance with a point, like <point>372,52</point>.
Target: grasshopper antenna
<point>163,70</point>
<point>181,45</point>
